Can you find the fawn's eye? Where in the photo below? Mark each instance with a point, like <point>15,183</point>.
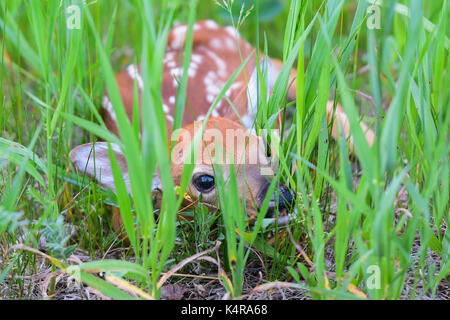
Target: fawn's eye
<point>204,183</point>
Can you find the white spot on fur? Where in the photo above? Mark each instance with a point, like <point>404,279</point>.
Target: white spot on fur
<point>108,107</point>
<point>197,58</point>
<point>231,44</point>
<point>210,24</point>
<point>177,72</point>
<point>216,43</point>
<point>166,109</point>
<point>170,56</point>
<point>232,32</point>
<point>172,99</point>
<point>210,98</point>
<point>179,34</point>
<point>192,70</point>
<point>235,86</point>
<point>171,64</point>
<point>134,74</point>
<point>211,86</point>
<point>221,64</point>
<point>211,76</point>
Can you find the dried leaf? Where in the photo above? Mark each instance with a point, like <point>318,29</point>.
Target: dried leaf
<point>172,292</point>
<point>353,289</point>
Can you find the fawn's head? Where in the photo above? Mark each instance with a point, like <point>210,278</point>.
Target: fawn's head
<point>216,149</point>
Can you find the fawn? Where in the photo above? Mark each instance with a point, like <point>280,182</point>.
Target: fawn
<point>216,53</point>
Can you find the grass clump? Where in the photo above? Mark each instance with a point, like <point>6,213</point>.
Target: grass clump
<point>371,223</point>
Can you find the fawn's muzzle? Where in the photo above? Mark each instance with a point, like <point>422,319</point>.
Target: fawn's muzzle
<point>283,199</point>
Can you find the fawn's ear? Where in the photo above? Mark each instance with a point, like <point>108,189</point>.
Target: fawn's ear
<point>267,76</point>
<point>93,160</point>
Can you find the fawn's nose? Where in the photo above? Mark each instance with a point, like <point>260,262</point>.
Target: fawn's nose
<point>284,197</point>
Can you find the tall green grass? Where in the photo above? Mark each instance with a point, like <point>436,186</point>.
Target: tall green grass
<point>366,221</point>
